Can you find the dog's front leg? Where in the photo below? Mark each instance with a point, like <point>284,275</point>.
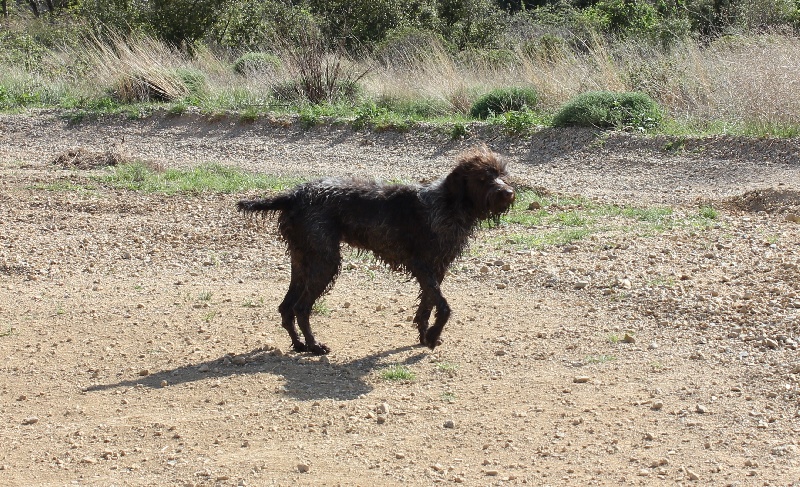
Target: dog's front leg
<point>431,297</point>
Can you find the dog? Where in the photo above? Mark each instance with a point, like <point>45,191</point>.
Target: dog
<point>416,229</point>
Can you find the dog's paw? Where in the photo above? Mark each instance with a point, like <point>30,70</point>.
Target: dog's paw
<point>319,349</point>
<point>299,347</point>
<point>432,339</point>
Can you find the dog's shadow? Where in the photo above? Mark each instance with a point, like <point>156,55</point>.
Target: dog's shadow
<point>306,378</point>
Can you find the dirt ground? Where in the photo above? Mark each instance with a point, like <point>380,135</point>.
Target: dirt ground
<point>140,342</point>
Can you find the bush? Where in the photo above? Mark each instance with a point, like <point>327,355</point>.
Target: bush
<point>256,62</point>
<point>503,100</point>
<point>488,58</point>
<point>605,109</point>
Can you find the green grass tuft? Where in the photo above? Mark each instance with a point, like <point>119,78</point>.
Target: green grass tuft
<point>397,373</point>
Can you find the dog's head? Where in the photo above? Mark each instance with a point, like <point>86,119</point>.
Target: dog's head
<point>479,181</point>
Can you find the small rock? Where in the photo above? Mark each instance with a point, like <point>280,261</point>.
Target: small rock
<point>383,408</point>
<point>581,284</point>
<point>652,346</point>
<point>501,285</point>
<point>534,205</point>
<point>484,270</point>
<point>628,338</point>
<point>770,343</point>
<point>691,475</point>
<point>581,379</point>
<point>164,383</point>
<point>144,372</point>
<point>449,424</point>
<point>30,420</point>
<point>239,360</point>
<point>793,217</point>
<point>491,473</point>
<point>303,467</point>
<point>203,368</point>
<point>657,405</point>
<point>701,409</point>
<point>381,419</point>
<point>89,460</point>
<point>399,456</point>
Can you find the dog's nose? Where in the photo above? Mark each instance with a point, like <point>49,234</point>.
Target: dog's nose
<point>507,195</point>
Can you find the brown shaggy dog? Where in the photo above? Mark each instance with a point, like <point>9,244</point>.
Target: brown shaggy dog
<point>415,229</point>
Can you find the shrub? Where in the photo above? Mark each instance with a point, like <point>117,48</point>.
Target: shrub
<point>256,62</point>
<point>607,109</point>
<point>503,100</point>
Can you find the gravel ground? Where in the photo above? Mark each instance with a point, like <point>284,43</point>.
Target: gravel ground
<point>140,341</point>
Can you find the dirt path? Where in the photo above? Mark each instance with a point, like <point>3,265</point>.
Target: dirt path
<point>140,342</point>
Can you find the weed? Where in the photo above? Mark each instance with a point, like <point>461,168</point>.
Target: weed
<point>708,212</point>
<point>8,332</point>
<point>397,372</point>
<point>209,316</point>
<point>447,367</point>
<point>613,338</point>
<point>320,307</point>
<point>205,296</point>
<point>449,397</point>
<point>600,359</point>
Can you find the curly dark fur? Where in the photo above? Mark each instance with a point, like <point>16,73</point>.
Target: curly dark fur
<point>415,229</point>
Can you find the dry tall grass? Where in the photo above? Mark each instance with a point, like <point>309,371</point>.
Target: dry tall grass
<point>735,80</point>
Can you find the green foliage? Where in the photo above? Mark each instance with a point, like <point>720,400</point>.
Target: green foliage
<point>504,100</point>
<point>605,109</point>
<point>518,122</point>
<point>256,63</point>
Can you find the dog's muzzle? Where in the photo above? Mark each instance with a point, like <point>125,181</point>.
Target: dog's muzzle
<point>502,198</point>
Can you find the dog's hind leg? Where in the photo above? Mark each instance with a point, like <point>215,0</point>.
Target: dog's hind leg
<point>286,309</point>
<point>325,270</point>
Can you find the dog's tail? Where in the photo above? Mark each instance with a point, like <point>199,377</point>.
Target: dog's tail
<point>278,203</point>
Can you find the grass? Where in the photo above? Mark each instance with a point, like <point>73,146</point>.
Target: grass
<point>320,307</point>
<point>205,296</point>
<point>397,372</point>
<point>64,185</point>
<point>757,72</point>
<point>7,332</point>
<point>562,220</point>
<point>600,359</point>
<point>138,176</point>
<point>447,367</point>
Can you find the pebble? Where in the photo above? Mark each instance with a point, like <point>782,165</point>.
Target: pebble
<point>203,368</point>
<point>239,360</point>
<point>383,408</point>
<point>691,475</point>
<point>793,217</point>
<point>303,467</point>
<point>144,372</point>
<point>491,473</point>
<point>449,424</point>
<point>30,420</point>
<point>657,405</point>
<point>581,284</point>
<point>628,338</point>
<point>701,409</point>
<point>581,379</point>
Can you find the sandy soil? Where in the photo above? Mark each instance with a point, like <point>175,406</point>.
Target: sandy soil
<point>140,340</point>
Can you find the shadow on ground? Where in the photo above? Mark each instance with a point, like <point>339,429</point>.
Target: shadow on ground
<point>307,378</point>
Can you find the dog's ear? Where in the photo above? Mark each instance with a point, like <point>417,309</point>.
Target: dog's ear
<point>455,186</point>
